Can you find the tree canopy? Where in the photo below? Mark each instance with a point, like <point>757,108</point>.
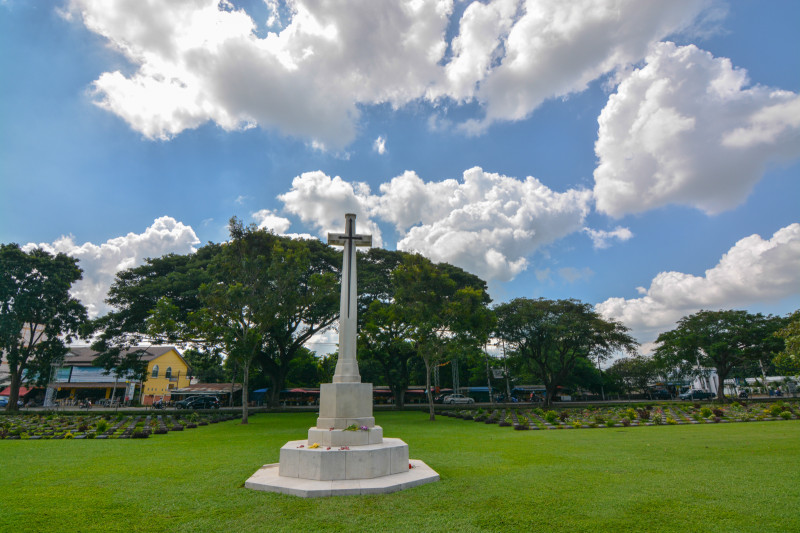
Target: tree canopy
<point>721,340</point>
<point>442,307</point>
<point>550,336</point>
<point>787,361</point>
<point>37,314</point>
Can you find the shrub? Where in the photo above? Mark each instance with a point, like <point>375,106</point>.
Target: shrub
<point>563,415</point>
<point>539,411</point>
<point>657,419</point>
<point>696,416</point>
<point>776,410</point>
<point>576,424</point>
<point>644,414</point>
<point>718,412</point>
<point>140,434</point>
<point>696,405</point>
<point>671,421</point>
<point>786,415</point>
<point>101,425</point>
<point>599,420</point>
<point>630,413</point>
<point>705,412</point>
<point>69,435</point>
<point>610,423</point>
<point>551,416</point>
<point>626,422</point>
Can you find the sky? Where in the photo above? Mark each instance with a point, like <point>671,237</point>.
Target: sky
<point>640,156</point>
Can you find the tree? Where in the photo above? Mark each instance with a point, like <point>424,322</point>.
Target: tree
<point>383,340</point>
<point>787,362</point>
<point>549,336</point>
<point>267,295</point>
<point>174,280</point>
<point>635,373</point>
<point>37,314</point>
<point>206,366</point>
<point>719,339</point>
<point>438,310</point>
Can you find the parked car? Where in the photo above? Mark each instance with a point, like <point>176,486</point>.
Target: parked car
<point>3,401</point>
<point>203,402</point>
<point>743,395</point>
<point>693,394</point>
<point>458,398</point>
<point>183,404</point>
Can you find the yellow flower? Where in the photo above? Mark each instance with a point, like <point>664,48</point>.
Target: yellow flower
<point>315,445</point>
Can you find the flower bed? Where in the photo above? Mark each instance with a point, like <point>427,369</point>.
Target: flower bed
<point>121,426</point>
<point>633,415</point>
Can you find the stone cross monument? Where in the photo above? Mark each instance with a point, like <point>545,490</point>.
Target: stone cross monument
<point>346,364</point>
<point>345,452</point>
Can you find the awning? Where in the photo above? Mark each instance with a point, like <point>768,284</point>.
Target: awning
<point>22,391</point>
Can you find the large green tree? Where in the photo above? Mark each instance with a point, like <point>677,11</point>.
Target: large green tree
<point>37,314</point>
<point>442,306</point>
<point>787,362</point>
<point>550,336</point>
<point>267,296</point>
<point>721,340</point>
<point>634,373</point>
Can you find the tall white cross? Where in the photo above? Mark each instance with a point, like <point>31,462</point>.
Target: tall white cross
<point>346,364</point>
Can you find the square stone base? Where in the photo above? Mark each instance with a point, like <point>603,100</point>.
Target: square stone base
<point>267,479</point>
<point>339,437</point>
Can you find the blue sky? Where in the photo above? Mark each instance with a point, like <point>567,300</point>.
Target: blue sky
<point>642,157</point>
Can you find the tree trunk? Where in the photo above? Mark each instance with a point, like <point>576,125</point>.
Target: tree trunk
<point>16,380</point>
<point>721,387</point>
<point>399,394</point>
<point>549,391</point>
<point>245,383</point>
<point>428,388</point>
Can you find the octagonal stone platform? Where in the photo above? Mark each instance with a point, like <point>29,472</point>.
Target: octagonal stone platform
<point>268,479</point>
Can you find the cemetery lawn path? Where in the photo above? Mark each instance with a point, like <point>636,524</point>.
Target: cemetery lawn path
<point>705,478</point>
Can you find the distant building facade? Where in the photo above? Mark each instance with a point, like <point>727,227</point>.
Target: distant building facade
<point>79,378</point>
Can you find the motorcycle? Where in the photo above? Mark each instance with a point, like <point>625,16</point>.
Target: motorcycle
<point>159,404</point>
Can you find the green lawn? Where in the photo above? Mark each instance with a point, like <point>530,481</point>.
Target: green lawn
<point>711,477</point>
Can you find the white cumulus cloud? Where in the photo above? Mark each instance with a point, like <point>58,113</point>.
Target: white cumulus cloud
<point>601,238</point>
<point>486,223</point>
<point>268,220</point>
<point>320,62</point>
<point>551,48</point>
<point>321,201</point>
<point>753,271</point>
<point>380,145</point>
<point>687,129</point>
<point>101,262</point>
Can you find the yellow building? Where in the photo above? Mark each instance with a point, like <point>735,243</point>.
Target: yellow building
<point>78,378</point>
<point>164,372</point>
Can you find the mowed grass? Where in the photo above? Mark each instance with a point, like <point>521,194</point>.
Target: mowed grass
<point>711,477</point>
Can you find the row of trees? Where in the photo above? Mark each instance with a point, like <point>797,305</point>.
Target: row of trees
<point>256,300</point>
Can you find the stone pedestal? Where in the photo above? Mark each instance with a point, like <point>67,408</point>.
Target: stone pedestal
<point>345,404</point>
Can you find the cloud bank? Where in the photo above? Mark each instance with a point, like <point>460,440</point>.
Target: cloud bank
<point>100,263</point>
<point>753,271</point>
<point>686,129</point>
<point>203,60</point>
<point>486,223</point>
